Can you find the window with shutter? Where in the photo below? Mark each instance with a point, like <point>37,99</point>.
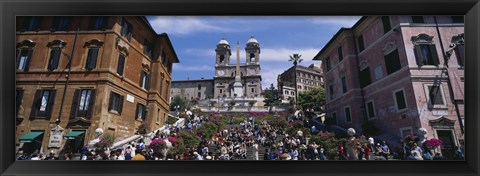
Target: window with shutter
<point>329,64</point>
<point>361,44</point>
<point>392,62</point>
<point>115,103</point>
<point>23,59</point>
<point>18,100</point>
<point>162,77</point>
<point>140,113</point>
<point>92,58</point>
<point>167,87</point>
<point>61,23</point>
<point>126,29</point>
<point>348,117</point>
<point>400,100</point>
<point>386,24</point>
<point>148,49</point>
<point>426,54</point>
<point>425,50</point>
<point>86,98</point>
<point>43,104</point>
<point>36,104</point>
<point>120,65</point>
<point>370,110</point>
<point>144,80</point>
<point>31,24</point>
<point>344,84</point>
<point>74,107</point>
<point>97,23</point>
<point>435,96</point>
<point>164,58</point>
<point>340,54</point>
<point>365,79</point>
<point>54,59</point>
<point>458,42</point>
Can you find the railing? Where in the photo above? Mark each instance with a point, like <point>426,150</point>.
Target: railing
<point>146,137</point>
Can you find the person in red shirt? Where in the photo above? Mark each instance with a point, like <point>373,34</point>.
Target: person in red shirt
<point>341,152</point>
<point>367,151</point>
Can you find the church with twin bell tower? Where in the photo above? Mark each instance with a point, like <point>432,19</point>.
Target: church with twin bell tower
<point>233,80</point>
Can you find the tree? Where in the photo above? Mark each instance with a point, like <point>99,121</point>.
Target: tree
<point>272,96</point>
<point>178,101</point>
<point>313,98</point>
<point>208,130</point>
<point>189,139</point>
<point>295,59</point>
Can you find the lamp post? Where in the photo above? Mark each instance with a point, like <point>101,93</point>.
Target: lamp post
<point>57,121</point>
<point>68,75</point>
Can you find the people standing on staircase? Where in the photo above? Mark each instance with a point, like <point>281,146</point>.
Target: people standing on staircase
<point>367,151</point>
<point>371,144</point>
<point>255,151</point>
<point>385,150</point>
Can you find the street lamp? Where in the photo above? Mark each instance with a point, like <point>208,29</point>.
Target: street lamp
<point>68,74</point>
<point>57,121</point>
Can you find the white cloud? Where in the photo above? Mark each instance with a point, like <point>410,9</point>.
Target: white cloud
<point>337,21</point>
<point>269,76</point>
<point>282,54</point>
<point>207,52</point>
<point>183,25</point>
<point>180,67</point>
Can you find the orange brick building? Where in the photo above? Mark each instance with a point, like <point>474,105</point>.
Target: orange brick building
<point>119,80</point>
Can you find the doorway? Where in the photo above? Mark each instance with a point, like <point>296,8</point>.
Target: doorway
<point>448,142</point>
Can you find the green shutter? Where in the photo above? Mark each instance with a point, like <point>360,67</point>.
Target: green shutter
<point>434,54</point>
<point>418,55</point>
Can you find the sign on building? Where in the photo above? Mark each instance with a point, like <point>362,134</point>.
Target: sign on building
<point>56,137</point>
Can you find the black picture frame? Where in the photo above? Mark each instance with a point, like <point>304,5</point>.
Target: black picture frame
<point>11,8</point>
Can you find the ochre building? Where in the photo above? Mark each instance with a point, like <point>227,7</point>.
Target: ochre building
<point>119,80</point>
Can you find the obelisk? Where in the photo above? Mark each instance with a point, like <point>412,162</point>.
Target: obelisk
<point>237,86</point>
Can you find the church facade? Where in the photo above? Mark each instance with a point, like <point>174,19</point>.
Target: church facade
<point>231,79</point>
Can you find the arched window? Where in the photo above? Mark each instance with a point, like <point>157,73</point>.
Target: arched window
<point>222,59</point>
<point>252,57</point>
<point>24,54</point>
<point>56,47</point>
<point>93,47</point>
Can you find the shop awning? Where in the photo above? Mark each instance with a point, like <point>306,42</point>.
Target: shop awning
<point>73,134</point>
<point>30,136</point>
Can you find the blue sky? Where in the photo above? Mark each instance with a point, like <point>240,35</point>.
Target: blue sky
<point>195,38</point>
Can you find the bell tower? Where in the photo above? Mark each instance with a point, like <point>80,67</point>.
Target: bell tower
<point>253,51</point>
<point>222,53</point>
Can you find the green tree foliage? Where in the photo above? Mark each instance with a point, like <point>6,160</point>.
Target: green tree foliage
<point>180,101</point>
<point>295,59</point>
<point>272,97</point>
<point>312,98</point>
<point>208,130</point>
<point>188,139</point>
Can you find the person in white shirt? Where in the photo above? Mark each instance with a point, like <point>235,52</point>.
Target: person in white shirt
<point>197,156</point>
<point>118,155</point>
<point>35,157</point>
<point>371,144</point>
<point>255,151</point>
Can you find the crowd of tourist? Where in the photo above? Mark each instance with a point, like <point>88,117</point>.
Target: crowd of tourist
<point>244,141</point>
